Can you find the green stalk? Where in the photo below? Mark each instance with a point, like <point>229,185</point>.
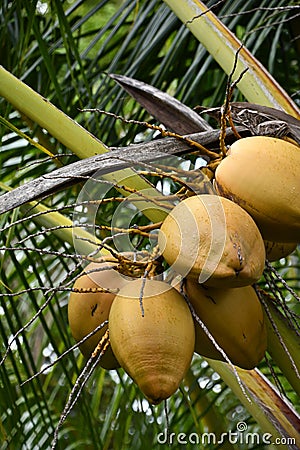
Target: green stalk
<point>22,135</point>
<point>283,344</point>
<point>86,243</point>
<point>46,115</point>
<point>274,415</point>
<point>71,134</point>
<point>257,85</point>
<point>64,228</point>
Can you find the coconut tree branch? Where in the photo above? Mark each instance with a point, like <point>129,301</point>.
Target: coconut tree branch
<point>258,86</point>
<point>115,160</point>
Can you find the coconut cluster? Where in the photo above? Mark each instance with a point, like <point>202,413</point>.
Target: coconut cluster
<point>151,329</point>
<point>218,244</point>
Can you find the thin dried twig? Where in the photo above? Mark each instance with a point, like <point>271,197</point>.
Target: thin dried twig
<point>69,350</point>
<point>80,383</point>
<point>225,109</point>
<point>164,133</point>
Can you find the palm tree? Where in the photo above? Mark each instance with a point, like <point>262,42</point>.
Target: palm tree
<point>70,53</point>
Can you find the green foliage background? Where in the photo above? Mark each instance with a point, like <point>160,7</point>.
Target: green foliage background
<point>64,50</point>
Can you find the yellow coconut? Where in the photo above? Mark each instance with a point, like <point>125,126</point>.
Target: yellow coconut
<point>278,250</point>
<point>156,348</point>
<point>214,241</point>
<point>235,319</point>
<point>261,174</point>
<point>88,308</point>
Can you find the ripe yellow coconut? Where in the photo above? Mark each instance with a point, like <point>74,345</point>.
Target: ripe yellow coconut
<point>156,348</point>
<point>88,309</point>
<point>235,319</point>
<point>278,250</point>
<point>261,174</point>
<point>214,241</point>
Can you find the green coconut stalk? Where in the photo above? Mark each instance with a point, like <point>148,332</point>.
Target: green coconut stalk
<point>277,418</point>
<point>76,138</point>
<point>63,228</point>
<point>283,344</point>
<point>46,115</point>
<point>257,85</point>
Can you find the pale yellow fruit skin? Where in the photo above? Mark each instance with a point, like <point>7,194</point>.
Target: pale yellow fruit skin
<point>87,310</point>
<point>278,250</point>
<point>262,174</point>
<point>235,319</point>
<point>155,350</point>
<point>237,256</point>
